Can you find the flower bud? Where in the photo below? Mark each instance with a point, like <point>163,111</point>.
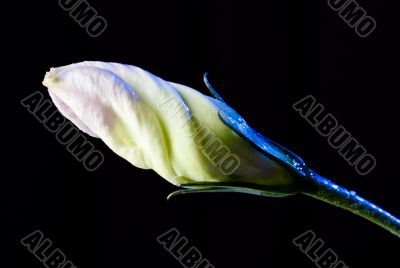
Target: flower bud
<point>183,135</point>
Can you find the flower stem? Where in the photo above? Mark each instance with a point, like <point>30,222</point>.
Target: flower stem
<point>325,190</point>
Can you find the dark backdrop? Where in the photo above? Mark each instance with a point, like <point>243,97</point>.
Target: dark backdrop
<point>262,56</point>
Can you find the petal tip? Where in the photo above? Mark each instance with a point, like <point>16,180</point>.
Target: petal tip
<point>50,78</point>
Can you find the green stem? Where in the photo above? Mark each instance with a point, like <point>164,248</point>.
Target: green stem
<point>325,190</point>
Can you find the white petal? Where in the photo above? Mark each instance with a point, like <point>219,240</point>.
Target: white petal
<point>153,123</point>
<point>69,114</point>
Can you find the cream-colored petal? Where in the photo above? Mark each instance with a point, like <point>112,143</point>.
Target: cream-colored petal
<point>156,124</point>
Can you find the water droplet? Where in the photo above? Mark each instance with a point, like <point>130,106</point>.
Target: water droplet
<point>360,199</point>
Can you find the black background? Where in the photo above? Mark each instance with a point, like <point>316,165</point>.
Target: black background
<point>262,56</point>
